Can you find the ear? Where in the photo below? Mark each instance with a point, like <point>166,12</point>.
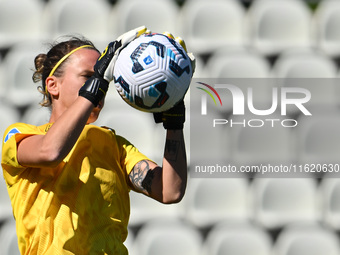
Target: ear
<point>52,86</point>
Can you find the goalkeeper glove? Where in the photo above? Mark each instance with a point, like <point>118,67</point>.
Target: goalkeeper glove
<point>95,88</point>
<point>182,43</point>
<point>173,118</point>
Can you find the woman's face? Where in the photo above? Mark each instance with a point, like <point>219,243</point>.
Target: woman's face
<point>77,70</point>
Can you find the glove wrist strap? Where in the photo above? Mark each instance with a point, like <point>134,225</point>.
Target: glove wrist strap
<point>94,89</point>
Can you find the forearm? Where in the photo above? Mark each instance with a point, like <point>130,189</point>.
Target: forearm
<point>65,131</point>
<point>166,184</point>
<point>52,148</point>
<point>174,170</point>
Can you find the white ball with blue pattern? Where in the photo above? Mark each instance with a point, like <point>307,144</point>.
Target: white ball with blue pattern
<point>153,73</point>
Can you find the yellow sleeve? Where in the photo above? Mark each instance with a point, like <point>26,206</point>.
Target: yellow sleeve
<point>12,136</point>
<point>130,154</point>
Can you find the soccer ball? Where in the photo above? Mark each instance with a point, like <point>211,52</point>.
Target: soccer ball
<point>152,73</point>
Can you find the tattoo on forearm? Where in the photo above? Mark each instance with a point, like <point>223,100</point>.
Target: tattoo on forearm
<point>141,176</point>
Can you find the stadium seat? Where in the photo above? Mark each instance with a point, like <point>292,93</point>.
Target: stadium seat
<point>273,26</point>
<point>18,65</point>
<point>8,114</point>
<point>208,25</point>
<point>200,67</point>
<point>5,202</point>
<point>278,202</point>
<point>317,137</point>
<point>8,238</point>
<point>236,238</point>
<point>329,191</point>
<point>311,70</point>
<point>129,240</point>
<point>208,144</point>
<point>79,17</point>
<point>298,239</point>
<point>326,24</point>
<point>167,237</point>
<point>144,209</point>
<point>261,140</point>
<point>212,200</point>
<point>20,21</point>
<point>237,62</point>
<point>157,15</point>
<point>304,63</point>
<point>3,86</point>
<point>36,115</point>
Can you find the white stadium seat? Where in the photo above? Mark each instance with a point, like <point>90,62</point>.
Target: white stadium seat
<point>318,136</point>
<point>277,202</point>
<point>304,63</point>
<point>6,211</point>
<point>234,238</point>
<point>208,144</point>
<point>269,144</point>
<point>18,66</point>
<point>329,192</point>
<point>144,209</point>
<point>36,115</point>
<point>167,237</point>
<point>20,21</point>
<point>157,15</point>
<point>306,240</point>
<point>212,200</point>
<point>200,67</point>
<point>208,25</point>
<point>9,115</point>
<point>237,62</point>
<point>79,17</point>
<point>273,26</point>
<point>308,69</point>
<point>8,238</point>
<point>129,240</point>
<point>326,25</point>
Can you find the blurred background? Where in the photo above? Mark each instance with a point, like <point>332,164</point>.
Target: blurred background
<point>230,39</point>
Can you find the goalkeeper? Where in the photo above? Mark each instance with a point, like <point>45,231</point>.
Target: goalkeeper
<point>68,180</point>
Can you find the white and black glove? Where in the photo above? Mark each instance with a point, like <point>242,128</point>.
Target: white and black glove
<point>95,88</point>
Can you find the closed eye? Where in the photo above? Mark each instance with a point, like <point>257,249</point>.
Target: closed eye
<point>87,74</point>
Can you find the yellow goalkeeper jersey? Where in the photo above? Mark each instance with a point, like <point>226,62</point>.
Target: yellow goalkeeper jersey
<point>80,207</point>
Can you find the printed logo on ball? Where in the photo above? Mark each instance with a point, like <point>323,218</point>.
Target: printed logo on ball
<point>148,60</point>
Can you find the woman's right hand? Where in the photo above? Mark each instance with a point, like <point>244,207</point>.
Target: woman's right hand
<point>95,88</point>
